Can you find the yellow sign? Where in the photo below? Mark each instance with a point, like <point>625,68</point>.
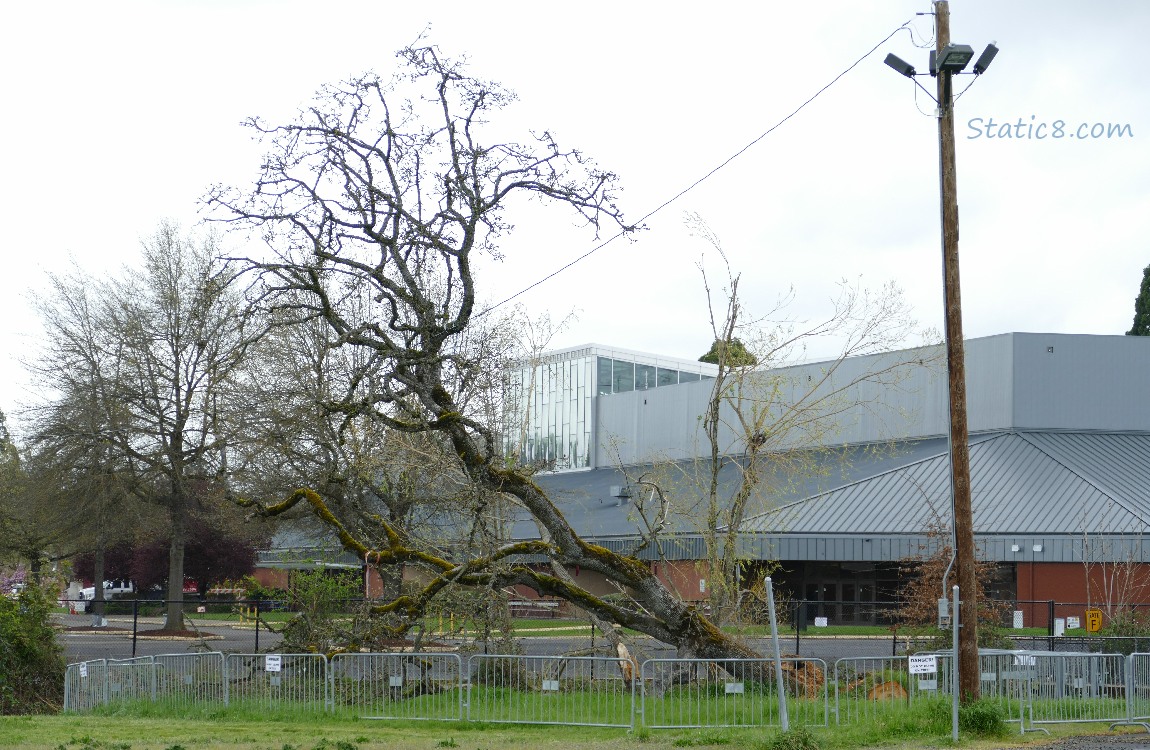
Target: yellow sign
<point>1093,620</point>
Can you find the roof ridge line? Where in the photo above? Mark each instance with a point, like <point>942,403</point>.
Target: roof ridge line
<point>981,439</point>
<point>1106,492</point>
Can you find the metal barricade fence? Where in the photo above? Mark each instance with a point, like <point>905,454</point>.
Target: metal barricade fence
<point>1004,678</point>
<point>296,681</point>
<point>1033,688</point>
<point>84,684</point>
<point>570,690</point>
<point>130,679</point>
<point>397,686</point>
<point>1077,688</point>
<point>190,680</point>
<point>868,688</point>
<point>730,692</point>
<point>1138,687</point>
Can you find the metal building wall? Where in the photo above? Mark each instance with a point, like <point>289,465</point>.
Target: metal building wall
<point>1015,381</point>
<point>1081,382</point>
<point>666,424</point>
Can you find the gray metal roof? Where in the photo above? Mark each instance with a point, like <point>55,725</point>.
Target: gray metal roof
<point>1044,488</point>
<point>585,498</point>
<point>1021,484</point>
<point>1056,490</point>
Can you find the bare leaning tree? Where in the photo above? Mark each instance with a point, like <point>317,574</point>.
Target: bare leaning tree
<point>371,190</point>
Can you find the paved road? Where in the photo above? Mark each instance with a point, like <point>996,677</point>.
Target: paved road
<point>1100,742</point>
<point>82,642</point>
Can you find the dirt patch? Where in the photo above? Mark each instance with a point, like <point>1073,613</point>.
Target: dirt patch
<point>887,691</point>
<point>1136,741</point>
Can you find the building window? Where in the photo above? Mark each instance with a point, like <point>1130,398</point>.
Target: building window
<point>604,373</point>
<point>645,377</point>
<point>622,376</point>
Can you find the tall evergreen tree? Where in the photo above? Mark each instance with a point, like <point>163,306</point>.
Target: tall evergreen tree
<point>1141,325</point>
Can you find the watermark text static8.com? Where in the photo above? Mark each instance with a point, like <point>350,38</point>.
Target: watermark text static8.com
<point>1033,129</point>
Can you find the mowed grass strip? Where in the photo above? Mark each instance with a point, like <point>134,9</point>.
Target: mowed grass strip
<point>230,732</point>
<point>264,729</point>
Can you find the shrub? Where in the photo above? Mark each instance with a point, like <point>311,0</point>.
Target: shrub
<point>328,617</point>
<point>796,738</point>
<point>323,593</point>
<point>983,718</point>
<point>31,662</point>
<point>253,590</point>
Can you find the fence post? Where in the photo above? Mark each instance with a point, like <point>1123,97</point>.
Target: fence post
<point>954,676</point>
<point>778,656</point>
<point>135,623</point>
<point>1050,622</point>
<point>798,617</point>
<point>257,648</point>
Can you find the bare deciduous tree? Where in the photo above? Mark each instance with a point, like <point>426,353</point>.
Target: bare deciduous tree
<point>767,422</point>
<point>1110,552</point>
<point>151,352</point>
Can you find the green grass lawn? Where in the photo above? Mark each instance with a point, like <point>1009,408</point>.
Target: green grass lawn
<point>232,730</point>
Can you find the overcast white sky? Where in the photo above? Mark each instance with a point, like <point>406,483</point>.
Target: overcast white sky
<point>117,115</point>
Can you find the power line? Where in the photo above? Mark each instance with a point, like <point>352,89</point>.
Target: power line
<point>906,25</point>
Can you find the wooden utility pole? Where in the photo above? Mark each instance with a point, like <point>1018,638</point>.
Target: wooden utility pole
<point>956,375</point>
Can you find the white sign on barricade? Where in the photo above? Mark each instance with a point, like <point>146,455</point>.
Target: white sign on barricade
<point>927,664</point>
<point>273,663</point>
<point>83,669</point>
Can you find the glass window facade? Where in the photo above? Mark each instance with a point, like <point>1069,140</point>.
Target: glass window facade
<point>550,419</point>
<point>551,403</point>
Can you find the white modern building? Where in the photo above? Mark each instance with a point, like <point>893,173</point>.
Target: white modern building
<point>554,398</point>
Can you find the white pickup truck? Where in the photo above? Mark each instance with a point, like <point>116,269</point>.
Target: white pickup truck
<point>112,589</point>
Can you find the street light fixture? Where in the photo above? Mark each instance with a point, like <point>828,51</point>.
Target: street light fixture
<point>985,59</point>
<point>954,57</point>
<point>900,66</point>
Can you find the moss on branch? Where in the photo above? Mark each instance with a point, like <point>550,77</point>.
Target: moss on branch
<point>632,568</point>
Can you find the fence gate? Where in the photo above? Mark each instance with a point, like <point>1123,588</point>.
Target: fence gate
<point>572,690</point>
<point>397,686</point>
<point>84,684</point>
<point>297,681</point>
<point>868,688</point>
<point>731,692</point>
